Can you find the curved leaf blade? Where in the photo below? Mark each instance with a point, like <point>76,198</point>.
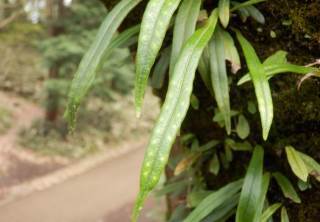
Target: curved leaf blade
<point>224,12</point>
<point>243,127</point>
<point>269,212</point>
<point>312,165</point>
<point>297,164</point>
<point>219,77</point>
<point>265,186</point>
<point>213,201</point>
<point>155,22</point>
<point>89,64</point>
<point>204,69</point>
<point>252,188</point>
<point>284,215</point>
<point>256,14</point>
<point>275,69</point>
<point>160,69</point>
<point>185,25</point>
<point>124,39</point>
<point>286,187</point>
<point>261,85</point>
<point>231,52</point>
<point>173,111</point>
<point>245,4</point>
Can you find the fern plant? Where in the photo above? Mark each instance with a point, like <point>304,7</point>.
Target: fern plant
<point>202,42</point>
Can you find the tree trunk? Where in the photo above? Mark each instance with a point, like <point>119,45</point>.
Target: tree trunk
<point>296,112</point>
<point>55,12</point>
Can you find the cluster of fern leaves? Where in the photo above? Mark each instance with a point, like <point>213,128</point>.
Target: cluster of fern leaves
<point>201,43</point>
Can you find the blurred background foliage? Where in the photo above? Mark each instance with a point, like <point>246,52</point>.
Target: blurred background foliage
<point>42,42</point>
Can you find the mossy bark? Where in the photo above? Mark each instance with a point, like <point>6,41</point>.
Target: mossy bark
<point>296,24</point>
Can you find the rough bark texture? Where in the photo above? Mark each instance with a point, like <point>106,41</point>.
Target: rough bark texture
<point>297,112</point>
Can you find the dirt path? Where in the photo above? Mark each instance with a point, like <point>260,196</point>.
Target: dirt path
<point>18,165</point>
<point>89,197</point>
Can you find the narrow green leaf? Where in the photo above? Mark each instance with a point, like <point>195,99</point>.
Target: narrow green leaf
<point>297,164</point>
<point>173,111</point>
<point>256,14</point>
<point>161,69</point>
<point>213,201</point>
<point>312,165</point>
<point>196,196</point>
<point>279,57</point>
<point>278,64</point>
<point>275,69</point>
<point>284,215</point>
<point>155,22</point>
<point>185,25</point>
<point>231,52</point>
<point>252,188</point>
<point>286,187</point>
<point>204,69</point>
<point>214,166</point>
<point>194,102</point>
<point>261,85</point>
<point>264,190</point>
<point>222,213</point>
<point>269,212</point>
<point>124,39</point>
<point>219,78</point>
<point>89,64</point>
<point>243,128</point>
<point>224,12</point>
<point>245,4</point>
<point>244,14</point>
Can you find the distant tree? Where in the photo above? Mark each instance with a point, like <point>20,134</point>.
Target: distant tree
<point>71,30</point>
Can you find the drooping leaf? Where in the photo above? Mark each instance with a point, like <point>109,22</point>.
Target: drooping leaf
<point>244,146</point>
<point>231,52</point>
<point>219,77</point>
<point>173,111</point>
<point>269,212</point>
<point>223,212</point>
<point>194,102</point>
<point>89,64</point>
<point>243,128</point>
<point>213,201</point>
<point>252,188</point>
<point>261,202</point>
<point>312,165</point>
<point>209,145</point>
<point>124,39</point>
<point>154,25</point>
<point>261,85</point>
<point>214,166</point>
<point>286,187</point>
<point>255,14</point>
<point>160,69</point>
<point>279,57</point>
<point>275,69</point>
<point>245,4</point>
<point>185,25</point>
<point>284,215</point>
<point>224,12</point>
<point>204,69</point>
<point>196,196</point>
<point>297,164</point>
<point>252,107</point>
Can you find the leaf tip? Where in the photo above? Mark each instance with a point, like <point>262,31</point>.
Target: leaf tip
<point>138,206</point>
